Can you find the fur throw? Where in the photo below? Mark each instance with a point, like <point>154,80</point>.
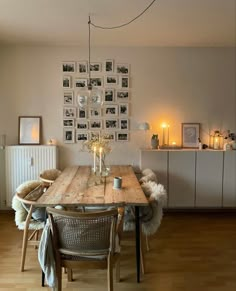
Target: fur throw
<point>50,174</point>
<point>151,215</point>
<point>148,175</point>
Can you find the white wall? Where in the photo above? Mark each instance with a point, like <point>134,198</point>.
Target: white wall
<point>167,84</point>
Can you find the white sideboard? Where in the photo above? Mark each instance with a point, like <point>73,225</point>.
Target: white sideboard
<point>24,163</point>
<point>194,178</point>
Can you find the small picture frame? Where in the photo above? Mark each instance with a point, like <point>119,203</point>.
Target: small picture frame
<point>111,124</point>
<point>122,136</point>
<point>110,110</point>
<point>82,113</point>
<point>81,124</point>
<point>124,82</point>
<point>122,95</point>
<point>111,80</point>
<point>29,130</point>
<point>111,136</point>
<point>68,135</point>
<point>122,69</point>
<point>95,67</point>
<point>82,67</point>
<point>95,113</point>
<point>68,122</point>
<point>81,136</point>
<point>96,81</point>
<point>69,112</point>
<point>68,67</point>
<point>95,124</point>
<point>68,98</point>
<point>124,109</point>
<point>124,124</point>
<point>66,82</point>
<point>109,66</point>
<point>94,135</point>
<point>190,135</point>
<point>81,82</point>
<point>109,95</point>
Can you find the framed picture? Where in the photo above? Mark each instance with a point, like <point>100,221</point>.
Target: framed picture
<point>69,122</point>
<point>68,98</point>
<point>109,95</point>
<point>122,69</point>
<point>95,113</point>
<point>69,112</point>
<point>110,110</point>
<point>122,95</point>
<point>124,109</point>
<point>95,124</point>
<point>111,136</point>
<point>122,136</point>
<point>96,81</point>
<point>81,124</point>
<point>29,130</point>
<point>109,66</point>
<point>82,67</point>
<point>81,82</point>
<point>124,124</point>
<point>82,113</point>
<point>68,135</point>
<point>94,135</point>
<point>124,82</point>
<point>111,124</point>
<point>190,135</point>
<point>81,136</point>
<point>66,81</point>
<point>68,67</point>
<point>95,67</point>
<point>111,80</point>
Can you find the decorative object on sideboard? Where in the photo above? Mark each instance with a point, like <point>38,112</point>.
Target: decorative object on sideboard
<point>190,135</point>
<point>216,140</point>
<point>154,141</point>
<point>165,134</point>
<point>144,126</point>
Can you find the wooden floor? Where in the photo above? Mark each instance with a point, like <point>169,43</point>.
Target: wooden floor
<point>191,252</point>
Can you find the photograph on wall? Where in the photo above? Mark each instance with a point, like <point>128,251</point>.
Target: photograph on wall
<point>81,136</point>
<point>111,124</point>
<point>68,135</point>
<point>81,124</point>
<point>95,124</point>
<point>190,135</point>
<point>109,66</point>
<point>68,67</point>
<point>109,95</point>
<point>122,95</point>
<point>124,82</point>
<point>82,113</point>
<point>69,112</point>
<point>111,80</point>
<point>95,67</point>
<point>124,124</point>
<point>122,136</point>
<point>110,110</point>
<point>81,82</point>
<point>96,81</point>
<point>111,136</point>
<point>82,99</point>
<point>29,130</point>
<point>94,113</point>
<point>94,135</point>
<point>122,69</point>
<point>66,82</point>
<point>68,98</point>
<point>68,122</point>
<point>124,109</point>
<point>82,67</point>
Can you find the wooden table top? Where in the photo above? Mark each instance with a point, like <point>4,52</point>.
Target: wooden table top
<point>77,185</point>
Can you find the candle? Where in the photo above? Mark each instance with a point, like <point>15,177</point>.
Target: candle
<point>100,160</point>
<point>94,159</point>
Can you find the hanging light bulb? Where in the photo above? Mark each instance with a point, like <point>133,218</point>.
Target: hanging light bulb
<point>89,95</point>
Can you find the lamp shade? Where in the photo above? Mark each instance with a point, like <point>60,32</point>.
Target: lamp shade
<point>144,126</point>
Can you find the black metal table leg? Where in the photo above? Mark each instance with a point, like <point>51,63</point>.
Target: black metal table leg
<point>137,236</point>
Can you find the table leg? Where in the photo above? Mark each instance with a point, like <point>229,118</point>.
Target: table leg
<point>137,236</point>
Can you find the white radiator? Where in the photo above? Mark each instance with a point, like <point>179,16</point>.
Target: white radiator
<point>25,163</point>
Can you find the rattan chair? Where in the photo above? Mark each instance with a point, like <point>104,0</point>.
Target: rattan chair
<point>27,216</point>
<point>80,239</point>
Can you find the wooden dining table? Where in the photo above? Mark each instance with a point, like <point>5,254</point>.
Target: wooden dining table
<point>79,186</point>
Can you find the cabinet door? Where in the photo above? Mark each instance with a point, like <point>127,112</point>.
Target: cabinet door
<point>2,178</point>
<point>157,161</point>
<point>209,171</point>
<point>181,179</point>
<point>229,180</point>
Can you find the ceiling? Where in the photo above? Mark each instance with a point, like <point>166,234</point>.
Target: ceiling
<point>166,23</point>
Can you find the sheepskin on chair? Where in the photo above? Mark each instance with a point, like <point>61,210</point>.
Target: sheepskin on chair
<point>151,215</point>
<point>148,175</point>
<point>50,174</point>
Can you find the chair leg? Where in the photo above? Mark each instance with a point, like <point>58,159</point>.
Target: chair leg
<point>109,274</point>
<point>69,275</point>
<point>147,243</point>
<point>118,269</point>
<point>142,260</point>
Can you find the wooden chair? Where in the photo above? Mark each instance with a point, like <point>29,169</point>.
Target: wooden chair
<point>49,176</point>
<point>26,215</point>
<point>80,239</point>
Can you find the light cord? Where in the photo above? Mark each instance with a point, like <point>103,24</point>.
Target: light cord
<point>124,24</point>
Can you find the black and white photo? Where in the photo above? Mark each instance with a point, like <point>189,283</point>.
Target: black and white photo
<point>122,136</point>
<point>109,136</point>
<point>68,135</point>
<point>81,124</point>
<point>68,98</point>
<point>69,112</point>
<point>95,67</point>
<point>94,112</point>
<point>81,136</point>
<point>122,69</point>
<point>95,124</point>
<point>122,95</point>
<point>82,113</point>
<point>124,82</point>
<point>66,81</point>
<point>68,122</point>
<point>109,95</point>
<point>111,80</point>
<point>124,109</point>
<point>109,66</point>
<point>82,99</point>
<point>81,82</point>
<point>124,124</point>
<point>68,67</point>
<point>111,124</point>
<point>96,81</point>
<point>82,67</point>
<point>110,110</point>
<point>94,135</point>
